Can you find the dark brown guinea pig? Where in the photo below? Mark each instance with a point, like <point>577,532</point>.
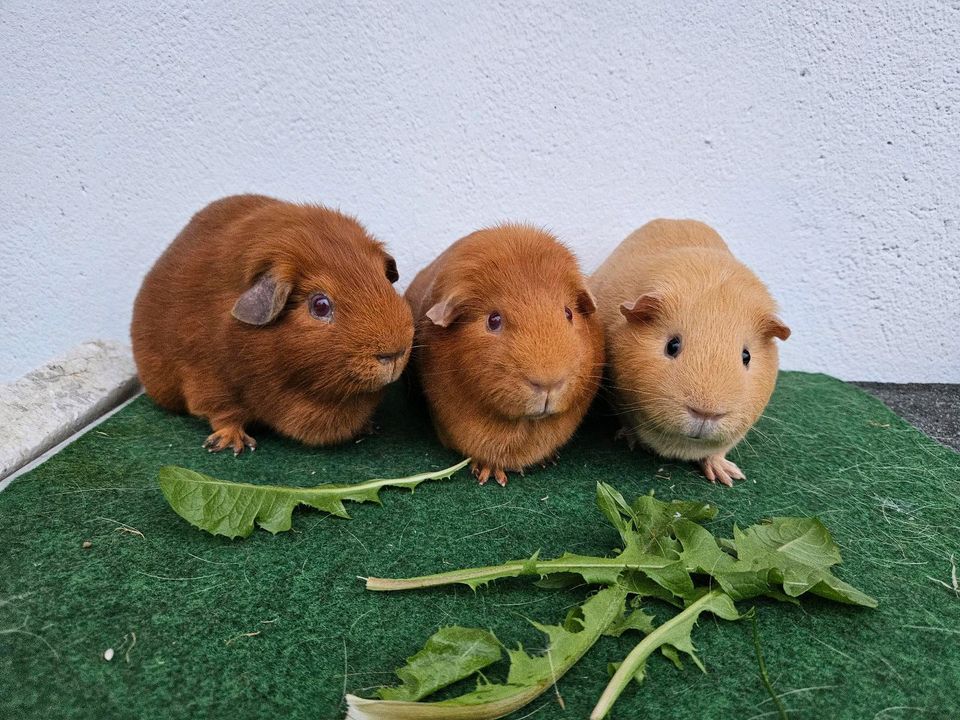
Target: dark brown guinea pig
<point>269,312</point>
<point>508,349</point>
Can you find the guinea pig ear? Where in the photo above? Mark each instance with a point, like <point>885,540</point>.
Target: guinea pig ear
<point>263,301</point>
<point>586,305</point>
<point>444,312</point>
<point>642,310</point>
<point>772,326</point>
<point>391,269</point>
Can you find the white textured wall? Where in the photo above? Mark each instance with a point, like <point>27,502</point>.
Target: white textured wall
<point>821,140</point>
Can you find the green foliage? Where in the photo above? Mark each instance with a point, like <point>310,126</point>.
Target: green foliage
<point>665,551</point>
<point>636,620</point>
<point>666,555</point>
<point>451,654</point>
<point>233,509</point>
<point>782,558</point>
<point>797,554</point>
<point>529,675</point>
<point>674,634</point>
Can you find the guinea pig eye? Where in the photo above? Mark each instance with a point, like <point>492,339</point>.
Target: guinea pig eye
<point>569,313</point>
<point>494,322</point>
<point>673,347</point>
<point>321,307</point>
<point>745,355</point>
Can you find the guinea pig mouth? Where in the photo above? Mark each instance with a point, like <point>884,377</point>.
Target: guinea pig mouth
<point>699,424</point>
<point>389,365</point>
<point>545,398</point>
<point>390,374</point>
<point>701,429</point>
<point>542,405</point>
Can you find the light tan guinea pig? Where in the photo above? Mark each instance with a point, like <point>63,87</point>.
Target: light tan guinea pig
<point>508,348</point>
<point>690,350</point>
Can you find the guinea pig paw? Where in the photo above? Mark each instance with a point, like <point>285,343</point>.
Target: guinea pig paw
<point>718,469</point>
<point>550,461</point>
<point>624,434</point>
<point>230,437</point>
<point>370,428</point>
<point>482,474</point>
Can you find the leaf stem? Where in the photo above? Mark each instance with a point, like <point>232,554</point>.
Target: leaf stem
<point>764,677</point>
<point>514,568</point>
<point>638,656</point>
<point>364,709</point>
<point>478,574</point>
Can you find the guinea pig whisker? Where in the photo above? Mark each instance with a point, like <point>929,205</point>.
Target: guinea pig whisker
<point>766,437</point>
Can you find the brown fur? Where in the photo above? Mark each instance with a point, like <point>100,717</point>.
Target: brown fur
<point>313,381</point>
<point>678,278</point>
<point>477,383</point>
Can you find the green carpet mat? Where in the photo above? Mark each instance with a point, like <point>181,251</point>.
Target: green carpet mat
<point>279,626</point>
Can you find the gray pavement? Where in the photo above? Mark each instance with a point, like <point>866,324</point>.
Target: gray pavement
<point>933,408</point>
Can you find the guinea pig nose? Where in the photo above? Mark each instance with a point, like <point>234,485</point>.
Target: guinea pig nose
<point>389,357</point>
<point>701,414</point>
<point>543,385</point>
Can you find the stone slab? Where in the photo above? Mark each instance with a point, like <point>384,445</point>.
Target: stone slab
<point>48,405</point>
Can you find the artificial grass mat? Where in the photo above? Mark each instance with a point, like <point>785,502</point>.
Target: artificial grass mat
<point>280,626</point>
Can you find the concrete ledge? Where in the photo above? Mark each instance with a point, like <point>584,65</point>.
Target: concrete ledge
<point>50,404</point>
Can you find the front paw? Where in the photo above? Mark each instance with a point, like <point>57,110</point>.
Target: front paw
<point>718,469</point>
<point>549,461</point>
<point>232,437</point>
<point>370,429</point>
<point>624,434</point>
<point>482,473</point>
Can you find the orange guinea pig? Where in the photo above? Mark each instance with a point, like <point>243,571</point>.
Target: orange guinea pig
<point>508,351</point>
<point>263,311</point>
<point>689,333</point>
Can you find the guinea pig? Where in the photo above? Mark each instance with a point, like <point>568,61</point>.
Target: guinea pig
<point>690,351</point>
<point>263,311</point>
<point>509,352</point>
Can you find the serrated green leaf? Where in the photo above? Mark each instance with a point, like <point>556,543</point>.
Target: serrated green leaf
<point>647,518</point>
<point>727,544</point>
<point>652,556</point>
<point>664,547</point>
<point>529,675</point>
<point>234,509</point>
<point>449,655</point>
<point>636,620</point>
<point>559,581</point>
<point>593,570</point>
<point>701,553</point>
<point>795,553</point>
<point>664,572</point>
<point>654,520</point>
<point>636,581</point>
<point>668,651</point>
<point>664,551</point>
<point>804,540</point>
<point>671,654</point>
<point>746,584</point>
<point>673,577</point>
<point>615,509</point>
<point>674,633</point>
